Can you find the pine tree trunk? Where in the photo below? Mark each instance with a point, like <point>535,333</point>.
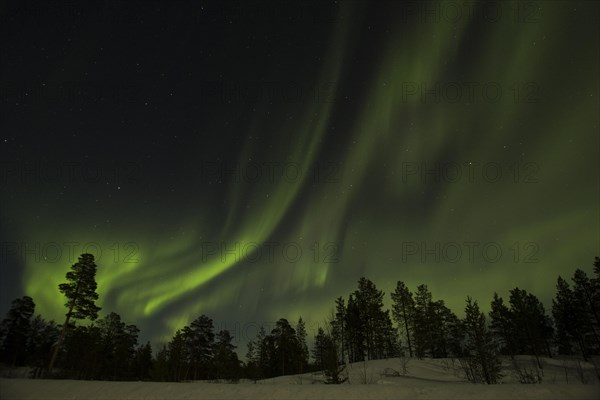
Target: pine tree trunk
<point>594,333</point>
<point>407,334</point>
<point>509,345</point>
<point>342,339</point>
<point>581,346</point>
<point>60,340</point>
<point>64,331</point>
<point>592,308</point>
<point>532,344</point>
<point>548,348</point>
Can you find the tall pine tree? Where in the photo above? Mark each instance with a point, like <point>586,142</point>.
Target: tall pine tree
<point>354,331</point>
<point>199,340</point>
<point>81,295</point>
<point>403,312</point>
<point>287,350</point>
<point>532,326</point>
<point>570,320</point>
<point>423,322</point>
<point>226,362</point>
<point>339,326</point>
<point>587,296</point>
<point>42,337</point>
<point>369,302</point>
<point>16,329</point>
<point>502,326</point>
<point>483,364</point>
<point>301,338</point>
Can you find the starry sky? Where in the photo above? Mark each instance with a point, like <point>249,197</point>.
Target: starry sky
<point>252,160</point>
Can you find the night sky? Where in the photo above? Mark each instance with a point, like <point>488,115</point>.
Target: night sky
<point>252,160</point>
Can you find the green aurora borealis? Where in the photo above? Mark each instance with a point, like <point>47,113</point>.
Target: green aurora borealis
<point>357,190</point>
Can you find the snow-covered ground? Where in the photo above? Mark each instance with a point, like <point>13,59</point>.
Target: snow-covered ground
<point>425,379</point>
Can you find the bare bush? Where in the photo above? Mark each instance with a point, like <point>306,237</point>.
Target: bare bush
<point>580,373</point>
<point>527,375</point>
<point>389,372</point>
<point>456,365</point>
<point>565,365</point>
<point>472,370</point>
<point>446,364</point>
<point>575,367</point>
<point>595,360</point>
<point>404,365</point>
<point>316,377</point>
<point>365,376</point>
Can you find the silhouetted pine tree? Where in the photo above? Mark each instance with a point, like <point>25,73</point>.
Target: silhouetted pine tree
<point>42,337</point>
<point>595,283</point>
<point>372,318</point>
<point>81,296</point>
<point>251,367</point>
<point>177,357</point>
<point>319,349</point>
<point>82,356</point>
<point>587,296</point>
<point>455,336</point>
<point>502,326</point>
<point>301,338</point>
<point>160,365</point>
<point>333,366</point>
<point>354,332</point>
<point>339,326</point>
<point>264,353</point>
<point>533,327</point>
<point>199,340</point>
<point>570,320</point>
<point>387,341</point>
<point>423,322</point>
<point>403,312</point>
<point>125,352</point>
<point>226,362</point>
<point>483,362</point>
<point>142,363</point>
<point>287,351</point>
<point>447,329</point>
<point>16,328</point>
<point>271,365</point>
<point>118,345</point>
<point>327,358</point>
<point>437,330</point>
<point>260,354</point>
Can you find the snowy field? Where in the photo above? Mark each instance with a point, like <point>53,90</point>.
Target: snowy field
<point>425,379</point>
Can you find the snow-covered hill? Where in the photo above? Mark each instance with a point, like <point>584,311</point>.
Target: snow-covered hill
<point>424,379</point>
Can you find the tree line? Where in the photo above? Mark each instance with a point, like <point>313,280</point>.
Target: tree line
<point>358,328</point>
